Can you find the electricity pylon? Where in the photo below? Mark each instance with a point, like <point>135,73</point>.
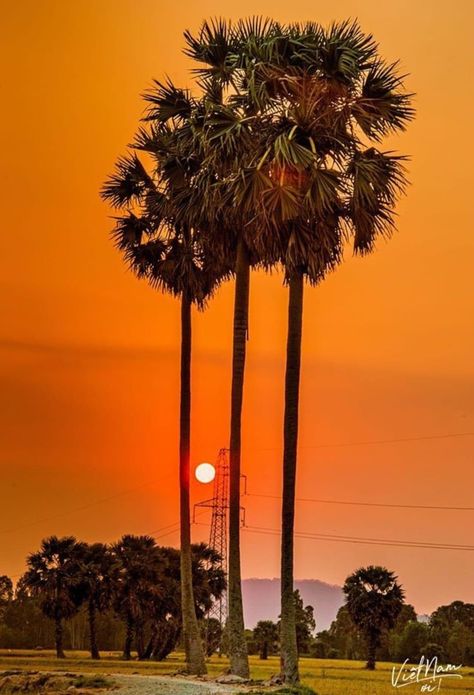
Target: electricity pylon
<point>219,504</point>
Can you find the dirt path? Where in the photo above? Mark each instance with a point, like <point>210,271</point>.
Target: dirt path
<point>162,685</point>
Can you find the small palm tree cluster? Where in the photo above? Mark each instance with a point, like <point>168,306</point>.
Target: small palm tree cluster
<point>275,163</point>
<point>134,577</point>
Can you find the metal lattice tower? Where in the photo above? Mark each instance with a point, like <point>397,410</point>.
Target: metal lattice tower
<point>219,504</point>
<point>218,534</point>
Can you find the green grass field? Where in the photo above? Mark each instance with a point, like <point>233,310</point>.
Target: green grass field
<point>327,677</point>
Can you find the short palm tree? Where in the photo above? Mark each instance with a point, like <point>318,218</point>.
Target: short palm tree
<point>265,635</point>
<point>374,601</point>
<point>161,244</point>
<point>53,575</point>
<point>96,564</point>
<point>321,100</point>
<point>134,583</point>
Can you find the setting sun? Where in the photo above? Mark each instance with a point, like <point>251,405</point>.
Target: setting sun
<point>205,473</point>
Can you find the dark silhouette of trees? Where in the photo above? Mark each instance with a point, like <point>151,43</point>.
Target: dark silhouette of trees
<point>332,100</point>
<point>162,243</point>
<point>136,584</point>
<point>87,584</point>
<point>458,611</point>
<point>146,595</point>
<point>96,564</point>
<point>53,575</point>
<point>6,592</point>
<point>280,163</point>
<point>134,587</point>
<point>374,602</point>
<point>315,104</point>
<point>452,626</point>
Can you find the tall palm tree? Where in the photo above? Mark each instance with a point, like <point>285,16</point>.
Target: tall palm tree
<point>161,244</point>
<point>230,133</point>
<point>326,100</point>
<point>53,574</point>
<point>374,601</point>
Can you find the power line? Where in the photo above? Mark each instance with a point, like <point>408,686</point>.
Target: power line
<point>395,440</point>
<point>316,446</point>
<point>174,527</point>
<point>366,541</point>
<point>366,504</point>
<point>359,540</point>
<point>84,507</point>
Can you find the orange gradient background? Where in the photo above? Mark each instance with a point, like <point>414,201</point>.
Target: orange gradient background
<point>89,355</point>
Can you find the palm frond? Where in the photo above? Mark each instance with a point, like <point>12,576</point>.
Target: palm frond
<point>213,46</point>
<point>166,101</point>
<point>128,183</point>
<point>378,178</point>
<point>129,230</point>
<point>382,108</point>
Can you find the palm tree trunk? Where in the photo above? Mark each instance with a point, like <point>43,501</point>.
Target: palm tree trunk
<point>58,621</point>
<point>372,644</point>
<point>58,634</point>
<point>239,663</point>
<point>151,642</point>
<point>93,631</point>
<point>289,650</point>
<point>127,649</point>
<point>140,640</point>
<point>192,639</point>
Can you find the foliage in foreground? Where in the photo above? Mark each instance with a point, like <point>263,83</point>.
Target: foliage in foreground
<point>34,682</point>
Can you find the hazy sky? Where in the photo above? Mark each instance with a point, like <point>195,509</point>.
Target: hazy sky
<point>89,356</point>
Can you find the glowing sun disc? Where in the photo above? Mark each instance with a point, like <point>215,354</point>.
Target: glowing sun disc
<point>205,473</point>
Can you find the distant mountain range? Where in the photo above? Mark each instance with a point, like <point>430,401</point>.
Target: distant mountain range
<point>262,600</point>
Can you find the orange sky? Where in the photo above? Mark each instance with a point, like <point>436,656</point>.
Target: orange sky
<point>89,356</point>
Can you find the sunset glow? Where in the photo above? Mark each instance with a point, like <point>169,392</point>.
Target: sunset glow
<point>90,355</point>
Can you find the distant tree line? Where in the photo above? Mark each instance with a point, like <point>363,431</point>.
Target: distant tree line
<point>124,595</point>
<point>447,634</point>
<point>376,624</point>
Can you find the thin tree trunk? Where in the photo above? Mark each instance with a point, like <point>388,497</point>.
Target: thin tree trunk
<point>289,649</point>
<point>239,663</point>
<point>166,642</point>
<point>192,639</point>
<point>372,644</point>
<point>93,631</point>
<point>140,640</point>
<point>127,649</point>
<point>58,622</point>
<point>151,642</point>
<point>59,636</point>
